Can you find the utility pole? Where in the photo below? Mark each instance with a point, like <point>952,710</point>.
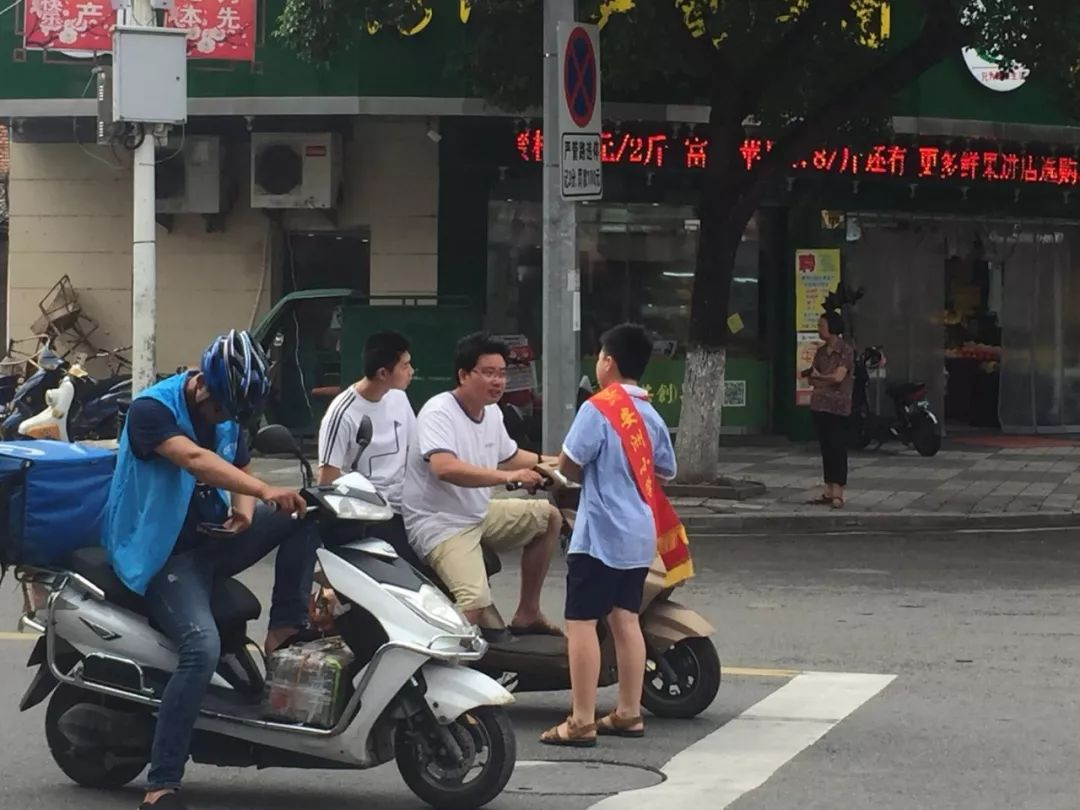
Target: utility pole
<point>561,364</point>
<point>144,240</point>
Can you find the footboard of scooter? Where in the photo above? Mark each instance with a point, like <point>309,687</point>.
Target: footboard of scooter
<point>664,624</point>
<point>454,690</point>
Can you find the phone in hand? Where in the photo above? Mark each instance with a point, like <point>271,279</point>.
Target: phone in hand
<point>216,530</point>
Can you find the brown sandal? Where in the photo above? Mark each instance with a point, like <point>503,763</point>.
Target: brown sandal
<point>615,726</point>
<point>583,736</point>
<point>837,503</point>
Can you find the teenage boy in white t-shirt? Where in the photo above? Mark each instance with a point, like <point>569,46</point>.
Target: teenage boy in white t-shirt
<point>462,452</point>
<point>380,396</point>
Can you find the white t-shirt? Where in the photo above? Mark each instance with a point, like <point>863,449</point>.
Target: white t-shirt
<point>393,430</point>
<point>434,510</point>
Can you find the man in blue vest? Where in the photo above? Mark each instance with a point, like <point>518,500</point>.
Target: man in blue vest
<point>181,469</point>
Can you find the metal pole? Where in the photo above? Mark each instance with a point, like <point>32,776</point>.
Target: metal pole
<point>561,364</point>
<point>144,246</point>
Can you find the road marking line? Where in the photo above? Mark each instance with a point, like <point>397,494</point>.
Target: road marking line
<point>760,672</point>
<point>743,754</point>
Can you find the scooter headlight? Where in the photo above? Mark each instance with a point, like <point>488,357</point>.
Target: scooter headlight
<point>432,606</point>
<point>356,509</point>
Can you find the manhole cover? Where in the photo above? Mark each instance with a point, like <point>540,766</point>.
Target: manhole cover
<point>594,778</point>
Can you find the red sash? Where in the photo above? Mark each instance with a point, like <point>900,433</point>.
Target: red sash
<point>672,544</point>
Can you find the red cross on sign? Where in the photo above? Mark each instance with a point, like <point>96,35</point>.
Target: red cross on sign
<point>580,79</point>
<point>580,147</point>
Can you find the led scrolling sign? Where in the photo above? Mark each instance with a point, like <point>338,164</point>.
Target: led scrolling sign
<point>912,162</point>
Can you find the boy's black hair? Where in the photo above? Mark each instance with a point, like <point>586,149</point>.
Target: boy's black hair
<point>383,350</point>
<point>631,348</point>
<point>835,321</point>
<point>472,347</point>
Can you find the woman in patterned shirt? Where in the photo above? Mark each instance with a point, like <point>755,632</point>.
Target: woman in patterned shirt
<point>832,377</point>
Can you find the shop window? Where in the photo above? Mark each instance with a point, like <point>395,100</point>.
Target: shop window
<point>637,264</point>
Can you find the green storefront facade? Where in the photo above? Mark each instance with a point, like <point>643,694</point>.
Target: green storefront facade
<point>636,247</point>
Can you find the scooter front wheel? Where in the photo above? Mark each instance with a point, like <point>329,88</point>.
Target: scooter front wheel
<point>685,682</point>
<point>463,765</point>
<point>75,741</point>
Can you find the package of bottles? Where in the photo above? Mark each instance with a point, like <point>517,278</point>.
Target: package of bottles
<point>308,683</point>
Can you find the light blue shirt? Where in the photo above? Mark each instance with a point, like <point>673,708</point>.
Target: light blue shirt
<point>614,524</point>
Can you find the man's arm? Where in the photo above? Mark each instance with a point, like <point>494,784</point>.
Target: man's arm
<point>569,468</point>
<point>450,469</point>
<point>527,460</point>
<point>328,474</point>
<point>210,468</point>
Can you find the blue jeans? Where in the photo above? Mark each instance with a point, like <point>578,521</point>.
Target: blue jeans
<point>179,601</point>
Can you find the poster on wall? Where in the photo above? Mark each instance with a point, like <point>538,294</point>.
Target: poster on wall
<point>817,273</point>
<point>216,29</point>
<point>806,346</point>
<point>75,27</point>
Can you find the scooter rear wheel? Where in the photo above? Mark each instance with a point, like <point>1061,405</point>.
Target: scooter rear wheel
<point>89,766</point>
<point>695,665</point>
<point>489,748</point>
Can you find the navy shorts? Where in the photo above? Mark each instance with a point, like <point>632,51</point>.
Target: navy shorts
<point>593,589</point>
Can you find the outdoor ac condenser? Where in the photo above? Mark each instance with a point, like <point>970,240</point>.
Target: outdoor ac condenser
<point>295,170</point>
<point>188,175</point>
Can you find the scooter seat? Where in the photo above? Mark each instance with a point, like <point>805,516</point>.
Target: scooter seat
<point>231,602</point>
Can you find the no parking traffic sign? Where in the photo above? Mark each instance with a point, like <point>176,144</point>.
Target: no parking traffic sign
<point>579,112</point>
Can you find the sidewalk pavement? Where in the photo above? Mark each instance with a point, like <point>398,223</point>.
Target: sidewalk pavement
<point>1006,482</point>
<point>996,482</point>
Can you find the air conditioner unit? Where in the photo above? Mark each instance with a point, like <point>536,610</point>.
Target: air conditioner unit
<point>295,170</point>
<point>188,175</point>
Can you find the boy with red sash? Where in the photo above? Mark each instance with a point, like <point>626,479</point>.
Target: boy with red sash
<point>617,448</point>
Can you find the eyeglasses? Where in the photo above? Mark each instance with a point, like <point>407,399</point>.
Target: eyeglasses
<point>491,373</point>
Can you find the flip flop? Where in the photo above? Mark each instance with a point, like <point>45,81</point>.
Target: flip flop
<point>615,726</point>
<point>541,627</point>
<point>583,736</point>
<point>823,500</point>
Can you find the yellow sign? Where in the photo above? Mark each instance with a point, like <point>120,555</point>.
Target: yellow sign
<point>817,273</point>
<point>735,323</point>
<point>806,346</point>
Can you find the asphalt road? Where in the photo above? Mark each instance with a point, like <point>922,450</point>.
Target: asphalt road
<point>981,632</point>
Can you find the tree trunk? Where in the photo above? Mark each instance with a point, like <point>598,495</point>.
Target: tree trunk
<point>722,226</point>
<point>698,439</point>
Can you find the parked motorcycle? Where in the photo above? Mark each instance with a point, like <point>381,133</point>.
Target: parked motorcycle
<point>409,697</point>
<point>29,396</point>
<point>80,408</point>
<point>914,424</point>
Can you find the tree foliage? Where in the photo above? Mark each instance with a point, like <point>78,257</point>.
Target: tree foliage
<point>804,70</point>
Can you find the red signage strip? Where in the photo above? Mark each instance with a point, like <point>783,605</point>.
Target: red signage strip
<point>72,26</point>
<point>217,29</point>
<point>910,162</point>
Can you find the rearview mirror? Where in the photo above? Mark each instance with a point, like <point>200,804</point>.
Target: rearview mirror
<point>276,440</point>
<point>363,433</point>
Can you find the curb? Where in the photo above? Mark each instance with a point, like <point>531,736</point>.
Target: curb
<point>884,522</point>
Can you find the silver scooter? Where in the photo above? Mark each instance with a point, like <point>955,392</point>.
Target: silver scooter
<point>410,695</point>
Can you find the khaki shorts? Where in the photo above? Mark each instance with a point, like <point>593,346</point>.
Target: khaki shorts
<point>459,561</point>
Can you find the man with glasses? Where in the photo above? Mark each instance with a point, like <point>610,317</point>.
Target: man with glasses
<point>462,453</point>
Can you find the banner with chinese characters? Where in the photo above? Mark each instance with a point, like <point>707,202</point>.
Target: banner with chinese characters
<point>71,26</point>
<point>217,29</point>
<point>806,346</point>
<point>817,273</point>
<point>912,162</point>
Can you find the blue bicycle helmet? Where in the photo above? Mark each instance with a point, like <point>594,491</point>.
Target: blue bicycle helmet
<point>237,373</point>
